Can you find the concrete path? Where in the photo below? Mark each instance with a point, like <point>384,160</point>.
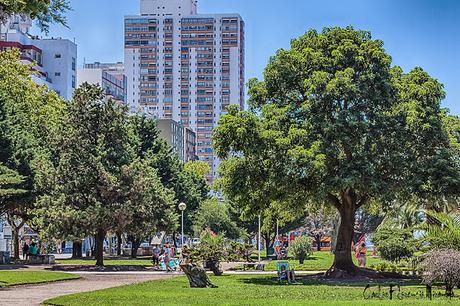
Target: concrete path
<point>32,295</point>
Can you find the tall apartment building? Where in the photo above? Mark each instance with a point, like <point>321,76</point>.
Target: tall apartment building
<point>185,66</point>
<point>56,58</point>
<point>110,76</point>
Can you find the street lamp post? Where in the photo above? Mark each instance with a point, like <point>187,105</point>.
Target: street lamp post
<point>182,207</point>
<point>258,242</point>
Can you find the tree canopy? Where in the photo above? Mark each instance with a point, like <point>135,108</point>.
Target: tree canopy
<point>29,117</point>
<point>215,216</point>
<point>44,11</point>
<point>334,123</point>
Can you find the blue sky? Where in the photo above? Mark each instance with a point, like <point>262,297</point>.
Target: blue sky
<point>422,33</point>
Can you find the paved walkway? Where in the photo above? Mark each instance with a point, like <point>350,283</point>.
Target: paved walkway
<point>32,295</point>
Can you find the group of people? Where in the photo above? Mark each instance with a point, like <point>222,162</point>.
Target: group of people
<point>29,249</point>
<point>165,257</point>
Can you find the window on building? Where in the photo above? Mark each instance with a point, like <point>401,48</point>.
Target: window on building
<point>57,74</point>
<point>74,64</point>
<point>57,55</point>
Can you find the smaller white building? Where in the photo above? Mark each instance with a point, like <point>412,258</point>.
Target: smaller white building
<point>110,76</point>
<point>55,58</point>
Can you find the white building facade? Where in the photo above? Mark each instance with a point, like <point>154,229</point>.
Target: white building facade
<point>185,66</point>
<point>110,76</point>
<point>56,58</point>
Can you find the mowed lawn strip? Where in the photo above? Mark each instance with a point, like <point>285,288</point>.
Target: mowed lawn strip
<point>11,278</point>
<point>239,290</point>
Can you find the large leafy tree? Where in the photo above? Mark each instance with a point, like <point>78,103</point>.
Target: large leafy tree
<point>44,11</point>
<point>149,206</point>
<point>187,181</point>
<point>29,116</point>
<point>215,216</point>
<point>81,188</point>
<point>334,123</point>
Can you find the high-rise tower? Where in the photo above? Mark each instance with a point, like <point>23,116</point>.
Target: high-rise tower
<point>185,66</point>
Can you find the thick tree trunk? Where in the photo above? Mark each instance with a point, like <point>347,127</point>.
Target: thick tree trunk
<point>267,246</point>
<point>197,276</point>
<point>15,235</point>
<point>77,251</point>
<point>268,243</point>
<point>174,240</point>
<point>100,236</point>
<point>134,247</point>
<point>343,265</point>
<point>342,259</point>
<point>318,243</point>
<point>119,241</point>
<point>214,265</point>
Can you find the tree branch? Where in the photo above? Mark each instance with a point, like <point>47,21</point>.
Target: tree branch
<point>347,152</point>
<point>362,201</point>
<point>334,201</point>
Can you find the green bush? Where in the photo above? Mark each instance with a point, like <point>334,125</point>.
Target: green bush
<point>301,248</point>
<point>211,251</point>
<point>394,244</point>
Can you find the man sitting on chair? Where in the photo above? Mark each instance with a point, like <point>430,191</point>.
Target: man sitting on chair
<point>287,275</point>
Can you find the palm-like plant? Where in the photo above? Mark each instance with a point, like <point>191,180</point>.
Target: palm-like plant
<point>442,230</point>
<point>408,216</point>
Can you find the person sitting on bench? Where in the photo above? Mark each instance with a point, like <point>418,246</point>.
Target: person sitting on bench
<point>284,273</point>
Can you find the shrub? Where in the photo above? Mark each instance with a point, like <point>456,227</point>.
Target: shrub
<point>394,244</point>
<point>240,251</point>
<point>210,251</point>
<point>301,248</point>
<point>442,266</point>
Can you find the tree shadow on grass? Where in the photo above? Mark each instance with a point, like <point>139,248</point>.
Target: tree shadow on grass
<point>13,267</point>
<point>315,281</point>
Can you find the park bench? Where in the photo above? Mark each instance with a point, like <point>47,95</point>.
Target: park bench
<point>41,259</point>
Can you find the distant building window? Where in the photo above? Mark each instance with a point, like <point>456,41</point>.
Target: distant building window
<point>74,64</point>
<point>57,55</point>
<point>73,82</point>
<point>57,74</point>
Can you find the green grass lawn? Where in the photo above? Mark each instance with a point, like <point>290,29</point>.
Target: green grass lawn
<point>108,262</point>
<point>10,278</point>
<point>319,261</point>
<point>240,290</point>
